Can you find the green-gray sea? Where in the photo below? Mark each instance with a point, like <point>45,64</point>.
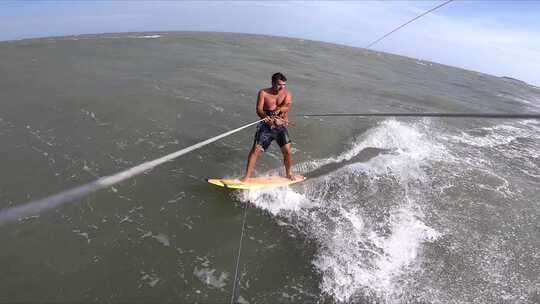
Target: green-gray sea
<point>438,210</point>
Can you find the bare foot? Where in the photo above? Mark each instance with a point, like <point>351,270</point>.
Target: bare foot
<point>243,179</point>
<point>291,177</point>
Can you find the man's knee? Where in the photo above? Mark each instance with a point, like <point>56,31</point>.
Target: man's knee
<point>286,150</point>
<point>257,149</point>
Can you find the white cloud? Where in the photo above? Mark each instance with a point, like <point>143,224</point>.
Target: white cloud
<point>482,43</point>
<point>478,45</point>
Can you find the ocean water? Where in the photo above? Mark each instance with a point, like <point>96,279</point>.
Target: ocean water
<point>394,210</point>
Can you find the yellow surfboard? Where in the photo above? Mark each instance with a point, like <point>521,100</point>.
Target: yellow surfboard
<point>256,182</point>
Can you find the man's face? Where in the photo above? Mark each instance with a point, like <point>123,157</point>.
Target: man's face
<point>279,85</point>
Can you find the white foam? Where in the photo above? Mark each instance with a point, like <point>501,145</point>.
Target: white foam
<point>163,239</point>
<point>397,136</point>
<point>83,234</point>
<point>411,149</point>
<point>209,277</point>
<point>146,37</point>
<point>150,279</point>
<point>241,300</point>
<point>366,260</point>
<point>217,108</point>
<point>355,255</point>
<point>526,100</point>
<point>409,146</point>
<point>160,237</point>
<point>276,200</point>
<point>498,135</point>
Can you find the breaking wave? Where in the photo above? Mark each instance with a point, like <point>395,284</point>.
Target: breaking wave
<point>366,217</point>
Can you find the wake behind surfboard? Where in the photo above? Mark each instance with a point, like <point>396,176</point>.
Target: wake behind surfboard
<point>256,182</point>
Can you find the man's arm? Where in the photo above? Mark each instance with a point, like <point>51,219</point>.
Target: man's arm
<point>283,111</point>
<point>260,105</point>
<point>284,108</point>
<point>260,108</point>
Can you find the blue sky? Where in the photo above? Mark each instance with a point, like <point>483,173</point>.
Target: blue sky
<point>494,37</point>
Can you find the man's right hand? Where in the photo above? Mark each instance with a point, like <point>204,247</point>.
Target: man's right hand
<point>269,120</point>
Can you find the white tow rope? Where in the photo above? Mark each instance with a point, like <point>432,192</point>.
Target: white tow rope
<point>38,206</point>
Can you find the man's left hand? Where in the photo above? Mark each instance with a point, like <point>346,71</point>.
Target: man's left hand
<point>280,122</point>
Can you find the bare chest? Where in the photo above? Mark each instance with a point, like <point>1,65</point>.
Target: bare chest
<point>273,101</point>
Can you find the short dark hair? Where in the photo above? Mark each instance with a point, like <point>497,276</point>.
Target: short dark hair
<point>278,76</point>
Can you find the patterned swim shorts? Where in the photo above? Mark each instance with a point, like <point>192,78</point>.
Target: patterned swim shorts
<point>265,134</point>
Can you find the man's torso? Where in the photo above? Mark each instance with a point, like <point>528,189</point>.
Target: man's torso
<point>266,133</point>
<point>272,100</point>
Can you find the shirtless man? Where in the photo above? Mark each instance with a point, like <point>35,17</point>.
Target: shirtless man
<point>273,106</point>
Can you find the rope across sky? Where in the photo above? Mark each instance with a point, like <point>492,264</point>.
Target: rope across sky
<point>410,21</point>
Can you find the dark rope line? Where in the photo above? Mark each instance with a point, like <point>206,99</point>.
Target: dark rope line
<point>410,21</point>
<point>235,294</point>
<point>463,115</point>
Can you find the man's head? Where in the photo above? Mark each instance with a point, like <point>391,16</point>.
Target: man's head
<point>279,81</point>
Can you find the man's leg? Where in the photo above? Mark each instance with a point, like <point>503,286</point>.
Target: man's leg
<point>287,159</point>
<point>252,159</point>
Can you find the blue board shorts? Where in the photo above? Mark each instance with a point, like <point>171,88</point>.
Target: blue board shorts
<point>265,134</point>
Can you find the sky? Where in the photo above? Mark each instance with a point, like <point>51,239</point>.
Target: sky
<point>501,38</point>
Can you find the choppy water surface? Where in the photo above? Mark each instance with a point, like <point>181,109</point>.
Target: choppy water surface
<point>395,210</point>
